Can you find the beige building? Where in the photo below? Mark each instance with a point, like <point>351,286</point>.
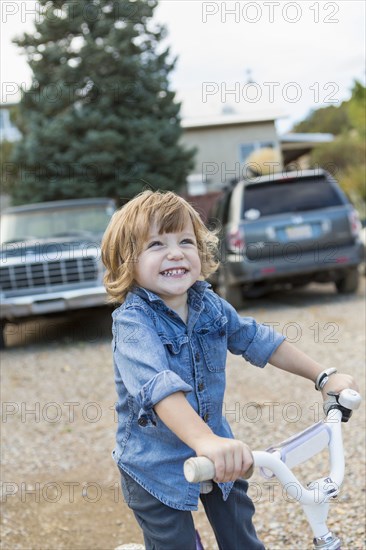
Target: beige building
<point>224,144</point>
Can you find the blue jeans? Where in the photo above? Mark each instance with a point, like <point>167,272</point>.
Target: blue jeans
<point>166,528</point>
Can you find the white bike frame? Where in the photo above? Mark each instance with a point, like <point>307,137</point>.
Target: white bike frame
<point>278,461</point>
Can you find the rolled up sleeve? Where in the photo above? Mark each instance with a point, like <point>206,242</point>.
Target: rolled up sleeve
<point>142,365</point>
<point>254,341</point>
<point>157,388</point>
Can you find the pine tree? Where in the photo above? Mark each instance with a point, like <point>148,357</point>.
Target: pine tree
<point>99,118</point>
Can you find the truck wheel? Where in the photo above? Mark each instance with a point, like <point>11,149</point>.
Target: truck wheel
<point>349,282</point>
<point>2,338</point>
<point>232,294</point>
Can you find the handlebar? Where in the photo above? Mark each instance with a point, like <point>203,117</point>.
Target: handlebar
<point>278,461</point>
<point>281,458</point>
<point>347,401</point>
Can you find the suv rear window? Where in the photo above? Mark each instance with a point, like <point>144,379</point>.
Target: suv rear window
<point>277,197</point>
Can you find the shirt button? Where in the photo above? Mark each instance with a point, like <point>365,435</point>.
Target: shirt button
<point>206,417</point>
<point>142,421</point>
<point>197,357</point>
<point>201,386</point>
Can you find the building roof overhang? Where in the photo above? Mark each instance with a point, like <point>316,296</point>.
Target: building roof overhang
<point>201,123</point>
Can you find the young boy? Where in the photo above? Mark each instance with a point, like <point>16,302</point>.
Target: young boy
<point>170,340</point>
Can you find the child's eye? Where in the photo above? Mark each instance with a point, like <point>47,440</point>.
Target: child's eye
<point>153,243</point>
<point>188,241</point>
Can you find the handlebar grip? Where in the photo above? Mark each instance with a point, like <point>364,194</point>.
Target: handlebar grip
<point>349,399</point>
<point>199,469</point>
<point>346,401</point>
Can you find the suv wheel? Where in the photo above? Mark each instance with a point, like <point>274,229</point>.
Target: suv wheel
<point>349,282</point>
<point>232,294</point>
<point>2,336</point>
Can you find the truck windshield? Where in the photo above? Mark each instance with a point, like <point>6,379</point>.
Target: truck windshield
<point>55,223</point>
<point>278,197</point>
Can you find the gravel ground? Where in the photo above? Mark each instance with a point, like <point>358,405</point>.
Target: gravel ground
<point>60,487</point>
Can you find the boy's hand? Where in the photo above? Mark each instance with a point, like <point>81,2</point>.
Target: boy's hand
<point>232,458</point>
<point>338,382</point>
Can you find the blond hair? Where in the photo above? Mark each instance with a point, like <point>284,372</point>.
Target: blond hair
<point>129,228</point>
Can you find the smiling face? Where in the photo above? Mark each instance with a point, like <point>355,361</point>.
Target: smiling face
<point>185,252</point>
<point>169,264</point>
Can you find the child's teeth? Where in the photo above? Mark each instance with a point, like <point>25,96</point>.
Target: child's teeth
<point>173,272</point>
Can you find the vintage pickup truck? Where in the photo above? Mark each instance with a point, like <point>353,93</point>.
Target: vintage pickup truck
<point>51,258</point>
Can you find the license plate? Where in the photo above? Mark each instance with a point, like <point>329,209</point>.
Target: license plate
<point>299,232</point>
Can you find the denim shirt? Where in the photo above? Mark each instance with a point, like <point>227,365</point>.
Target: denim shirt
<point>156,354</point>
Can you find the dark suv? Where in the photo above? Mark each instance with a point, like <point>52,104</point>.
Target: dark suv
<point>286,229</point>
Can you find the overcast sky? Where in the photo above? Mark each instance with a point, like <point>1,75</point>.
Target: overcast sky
<point>298,55</point>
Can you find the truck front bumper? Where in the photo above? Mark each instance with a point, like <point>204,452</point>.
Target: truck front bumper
<point>38,304</point>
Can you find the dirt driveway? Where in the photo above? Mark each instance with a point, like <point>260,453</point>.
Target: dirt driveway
<point>60,488</point>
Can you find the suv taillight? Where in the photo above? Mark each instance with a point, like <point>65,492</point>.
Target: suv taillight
<point>235,240</point>
<point>354,222</point>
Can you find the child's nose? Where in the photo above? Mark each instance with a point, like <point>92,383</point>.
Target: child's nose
<point>175,252</point>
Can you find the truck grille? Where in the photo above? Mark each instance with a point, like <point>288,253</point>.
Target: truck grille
<point>48,274</point>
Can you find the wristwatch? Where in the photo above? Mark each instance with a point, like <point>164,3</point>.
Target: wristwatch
<point>323,378</point>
